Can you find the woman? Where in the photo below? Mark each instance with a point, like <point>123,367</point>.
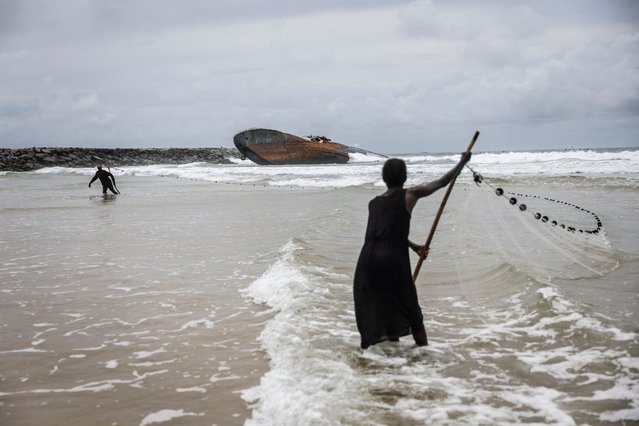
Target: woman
<point>386,305</point>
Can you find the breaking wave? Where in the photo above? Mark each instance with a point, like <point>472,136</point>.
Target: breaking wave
<point>365,169</point>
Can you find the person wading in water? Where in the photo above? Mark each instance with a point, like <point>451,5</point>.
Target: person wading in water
<point>386,305</point>
<point>104,176</point>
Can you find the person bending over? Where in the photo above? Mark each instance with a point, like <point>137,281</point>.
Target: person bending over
<point>104,176</point>
<point>386,305</point>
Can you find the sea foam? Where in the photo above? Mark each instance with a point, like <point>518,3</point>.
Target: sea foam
<point>304,385</point>
<point>365,169</point>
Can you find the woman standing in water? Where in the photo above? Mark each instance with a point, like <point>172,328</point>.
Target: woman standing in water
<point>386,305</point>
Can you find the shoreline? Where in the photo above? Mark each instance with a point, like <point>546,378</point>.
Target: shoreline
<point>28,159</point>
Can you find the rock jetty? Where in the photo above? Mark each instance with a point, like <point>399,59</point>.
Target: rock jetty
<point>26,159</point>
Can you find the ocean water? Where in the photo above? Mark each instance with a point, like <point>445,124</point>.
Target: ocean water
<point>222,294</point>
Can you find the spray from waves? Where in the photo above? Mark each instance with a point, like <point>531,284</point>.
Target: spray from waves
<point>311,380</point>
<point>364,170</point>
<point>556,163</point>
<point>301,176</point>
<point>58,170</point>
<point>358,157</point>
<point>627,155</point>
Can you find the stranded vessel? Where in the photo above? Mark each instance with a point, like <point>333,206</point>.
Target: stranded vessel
<point>266,146</point>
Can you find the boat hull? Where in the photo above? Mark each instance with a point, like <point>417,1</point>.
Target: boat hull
<point>272,147</point>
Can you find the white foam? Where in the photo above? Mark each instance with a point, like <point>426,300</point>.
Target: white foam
<point>364,169</point>
<point>191,389</point>
<point>165,416</point>
<point>453,158</point>
<point>99,386</point>
<point>276,286</point>
<point>567,312</point>
<point>25,350</point>
<point>543,401</point>
<point>624,389</point>
<point>304,385</point>
<point>559,162</point>
<point>111,363</point>
<point>196,323</point>
<point>147,354</point>
<point>358,157</point>
<point>217,378</point>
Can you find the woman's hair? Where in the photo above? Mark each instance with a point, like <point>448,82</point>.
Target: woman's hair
<point>394,172</point>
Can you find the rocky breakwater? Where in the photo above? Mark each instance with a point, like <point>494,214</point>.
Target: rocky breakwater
<point>26,159</point>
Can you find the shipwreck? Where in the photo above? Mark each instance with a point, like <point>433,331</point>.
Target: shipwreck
<point>273,147</point>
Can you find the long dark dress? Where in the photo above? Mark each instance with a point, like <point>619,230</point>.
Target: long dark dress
<point>386,305</point>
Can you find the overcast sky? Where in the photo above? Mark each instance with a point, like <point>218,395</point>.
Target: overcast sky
<point>392,76</point>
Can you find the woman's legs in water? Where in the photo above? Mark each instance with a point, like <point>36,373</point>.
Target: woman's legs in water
<point>109,186</point>
<point>419,334</point>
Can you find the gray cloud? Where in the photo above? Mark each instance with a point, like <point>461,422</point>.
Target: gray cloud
<point>386,75</point>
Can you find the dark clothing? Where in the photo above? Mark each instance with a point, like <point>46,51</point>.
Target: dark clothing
<point>386,305</point>
<point>104,176</point>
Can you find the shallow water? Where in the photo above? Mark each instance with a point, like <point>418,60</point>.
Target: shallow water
<point>518,331</point>
<point>119,307</point>
<point>230,302</point>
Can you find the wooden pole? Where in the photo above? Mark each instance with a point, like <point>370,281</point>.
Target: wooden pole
<point>426,247</point>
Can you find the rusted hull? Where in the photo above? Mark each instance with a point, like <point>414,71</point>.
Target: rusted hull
<point>265,146</point>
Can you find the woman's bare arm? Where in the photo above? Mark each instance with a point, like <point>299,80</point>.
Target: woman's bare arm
<point>416,192</point>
